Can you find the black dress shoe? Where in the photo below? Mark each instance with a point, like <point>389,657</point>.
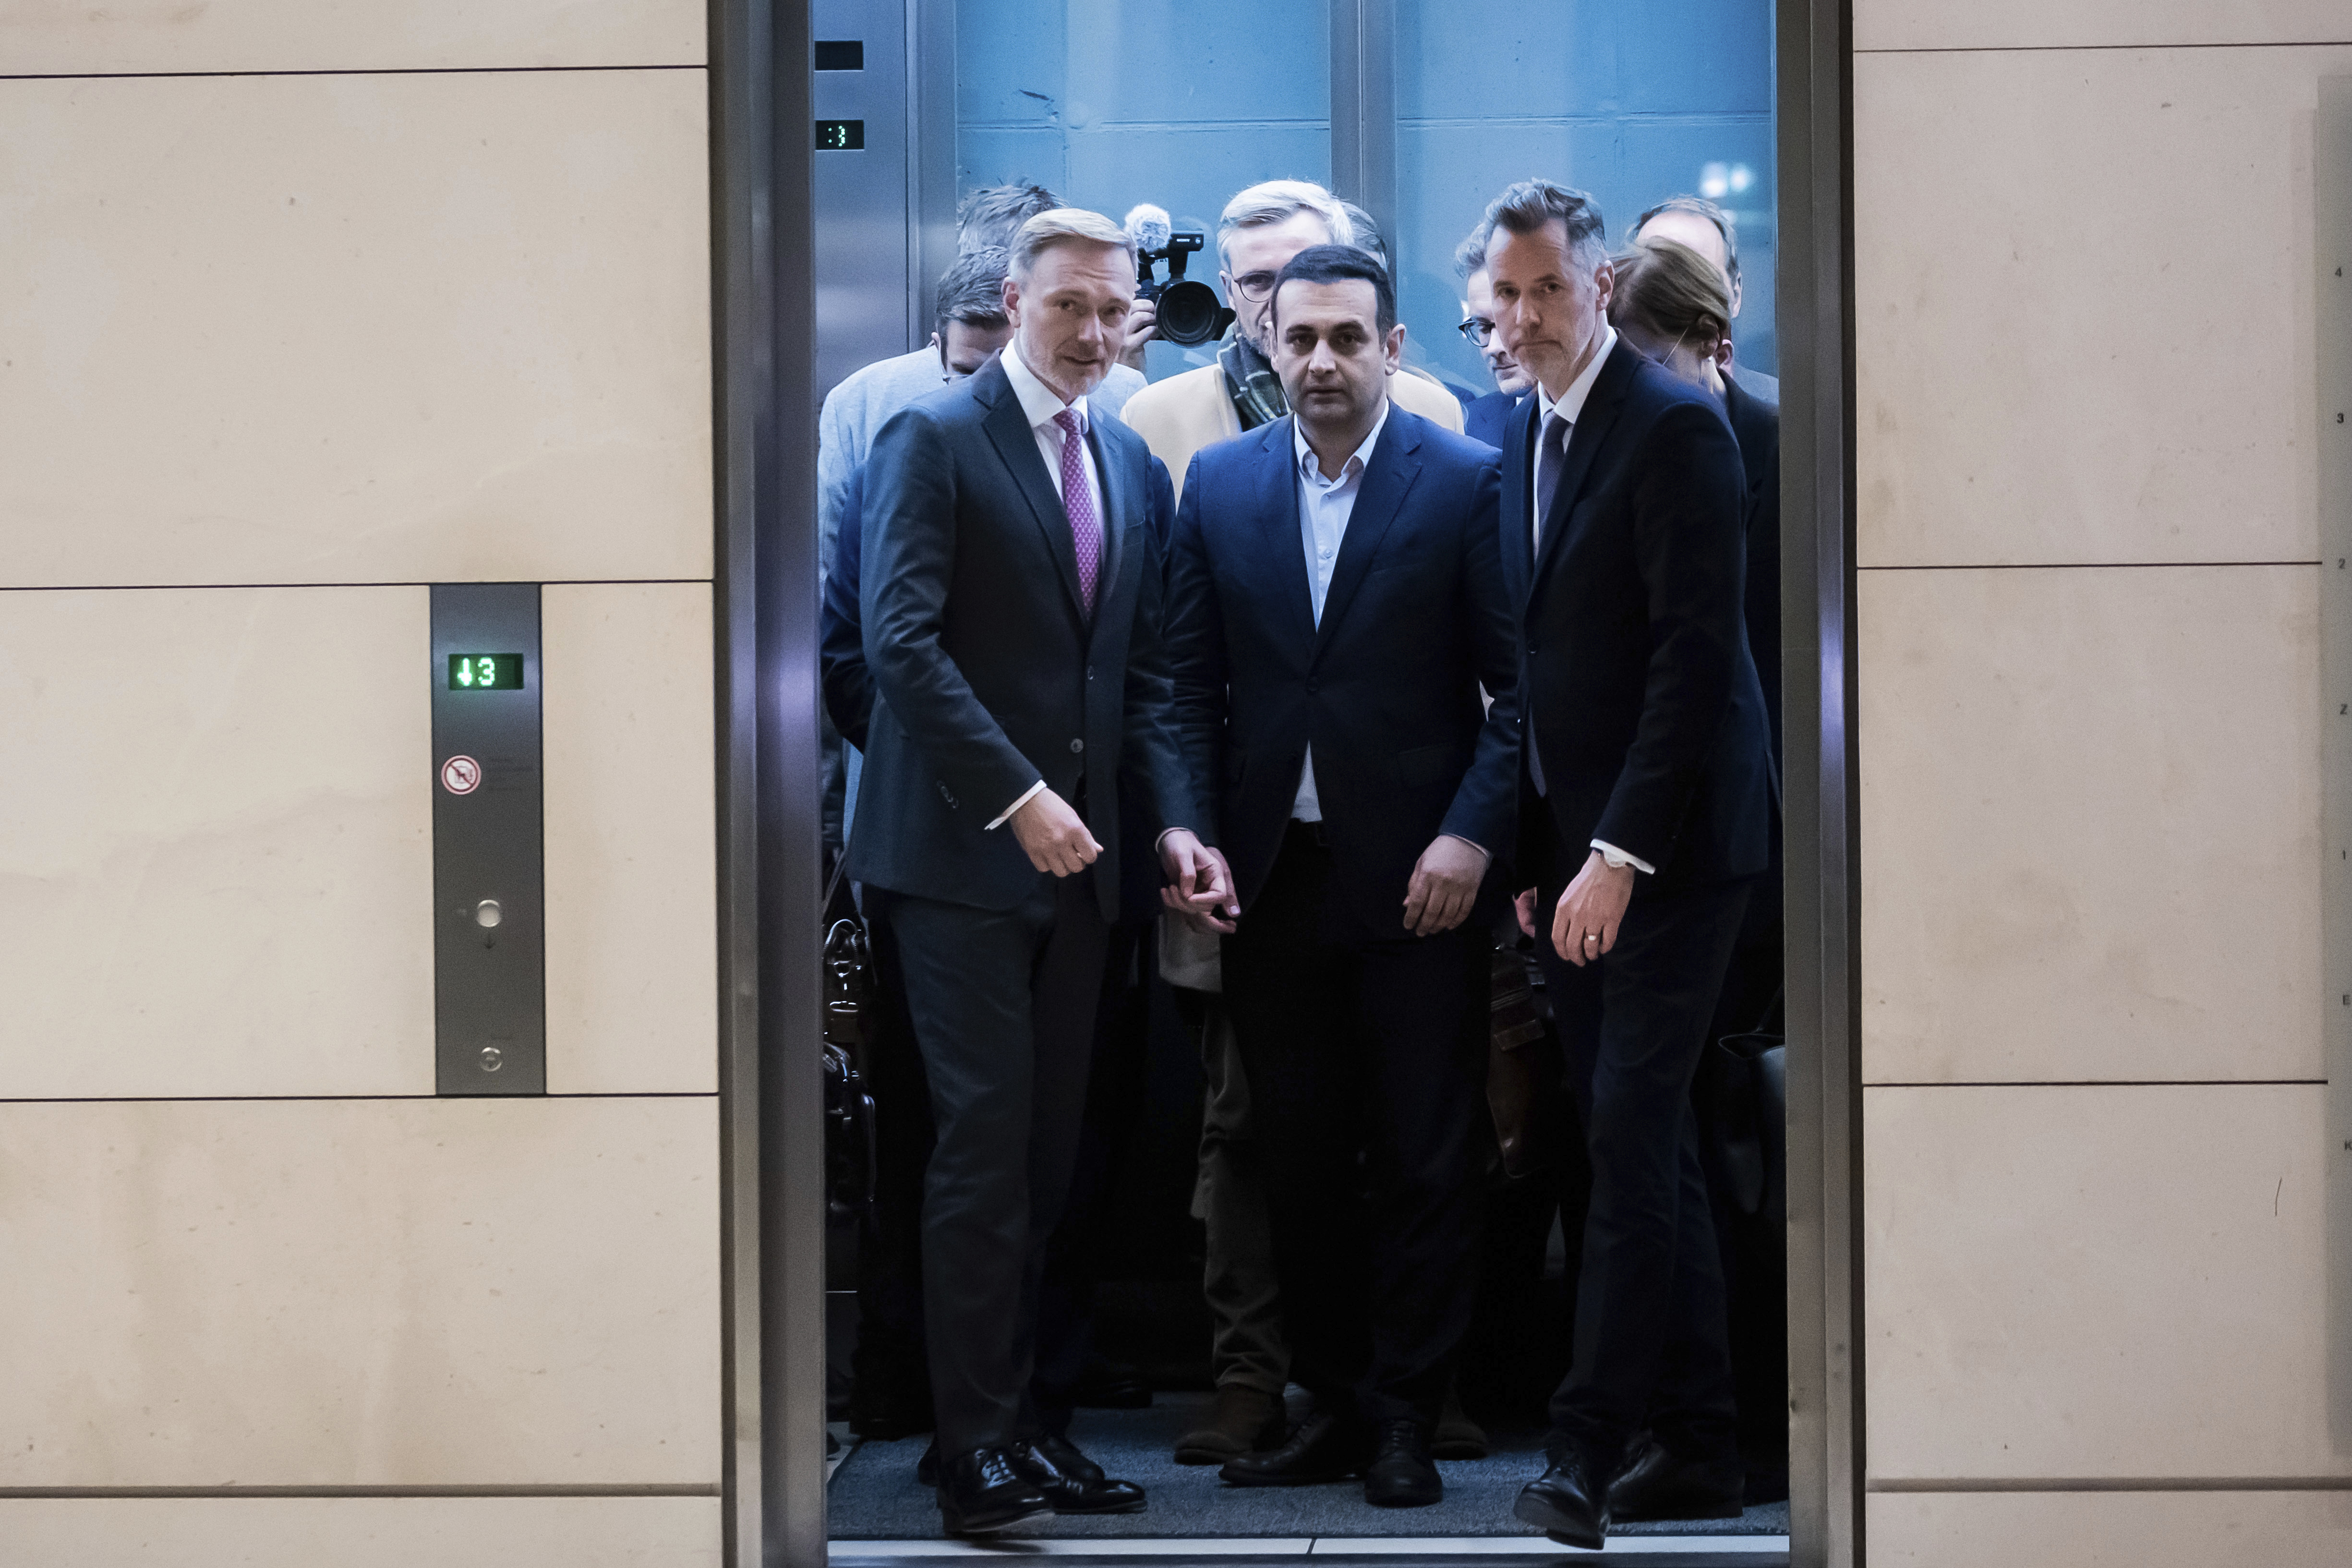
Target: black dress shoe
<point>981,1491</point>
<point>1566,1503</point>
<point>1655,1484</point>
<point>1402,1474</point>
<point>1324,1449</point>
<point>1071,1482</point>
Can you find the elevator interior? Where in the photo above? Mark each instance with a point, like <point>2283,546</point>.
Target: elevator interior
<point>1417,111</point>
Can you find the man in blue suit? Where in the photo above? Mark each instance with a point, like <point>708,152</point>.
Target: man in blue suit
<point>1646,805</point>
<point>1335,601</point>
<point>1010,617</point>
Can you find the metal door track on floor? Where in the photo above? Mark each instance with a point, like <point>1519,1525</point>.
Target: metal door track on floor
<point>1387,1552</point>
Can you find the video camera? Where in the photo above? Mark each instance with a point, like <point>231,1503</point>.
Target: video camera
<point>1189,311</point>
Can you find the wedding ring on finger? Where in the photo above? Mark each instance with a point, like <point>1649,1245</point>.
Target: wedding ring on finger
<point>1593,937</point>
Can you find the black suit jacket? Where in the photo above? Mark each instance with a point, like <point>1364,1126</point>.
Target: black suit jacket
<point>987,673</point>
<point>1638,689</point>
<point>1386,688</point>
<point>1486,419</point>
<point>1757,425</point>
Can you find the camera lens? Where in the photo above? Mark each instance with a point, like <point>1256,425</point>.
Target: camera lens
<point>1188,311</point>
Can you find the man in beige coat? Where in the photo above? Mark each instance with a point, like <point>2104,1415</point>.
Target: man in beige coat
<point>1261,230</point>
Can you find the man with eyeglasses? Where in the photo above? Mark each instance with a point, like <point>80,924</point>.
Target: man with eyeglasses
<point>1484,419</point>
<point>1258,233</point>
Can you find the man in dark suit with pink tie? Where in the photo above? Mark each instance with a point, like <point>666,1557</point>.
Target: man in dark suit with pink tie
<point>1010,604</point>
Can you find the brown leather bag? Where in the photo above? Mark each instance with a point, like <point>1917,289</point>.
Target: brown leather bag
<point>1523,1069</point>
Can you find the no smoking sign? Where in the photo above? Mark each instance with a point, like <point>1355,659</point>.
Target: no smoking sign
<point>461,775</point>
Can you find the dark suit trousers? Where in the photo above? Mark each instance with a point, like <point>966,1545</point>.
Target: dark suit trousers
<point>1003,1006</point>
<point>1366,1061</point>
<point>1651,1334</point>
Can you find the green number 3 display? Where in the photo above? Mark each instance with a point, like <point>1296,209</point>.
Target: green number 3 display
<point>484,673</point>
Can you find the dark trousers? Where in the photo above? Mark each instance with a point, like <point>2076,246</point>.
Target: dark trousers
<point>1651,1348</point>
<point>1365,1061</point>
<point>1248,1350</point>
<point>1088,1230</point>
<point>1004,1006</point>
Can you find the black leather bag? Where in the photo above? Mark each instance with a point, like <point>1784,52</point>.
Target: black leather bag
<point>1744,1099</point>
<point>1523,1069</point>
<point>851,1170</point>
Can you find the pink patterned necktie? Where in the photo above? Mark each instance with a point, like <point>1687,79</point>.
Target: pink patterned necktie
<point>1086,529</point>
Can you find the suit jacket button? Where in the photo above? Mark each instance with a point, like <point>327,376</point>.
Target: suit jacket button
<point>1077,745</point>
<point>1314,686</point>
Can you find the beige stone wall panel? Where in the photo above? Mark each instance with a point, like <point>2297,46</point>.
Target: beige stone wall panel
<point>2100,1282</point>
<point>72,37</point>
<point>422,1292</point>
<point>2090,820</point>
<point>428,328</point>
<point>216,851</point>
<point>2111,1530</point>
<point>2083,317</point>
<point>359,1533</point>
<point>632,839</point>
<point>2037,24</point>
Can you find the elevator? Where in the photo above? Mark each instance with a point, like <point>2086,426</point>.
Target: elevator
<point>1414,113</point>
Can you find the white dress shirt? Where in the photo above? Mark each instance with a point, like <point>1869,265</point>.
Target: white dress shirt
<point>1324,508</point>
<point>1569,408</point>
<point>1041,404</point>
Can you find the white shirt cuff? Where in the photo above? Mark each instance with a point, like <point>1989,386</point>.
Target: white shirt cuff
<point>1616,858</point>
<point>1026,797</point>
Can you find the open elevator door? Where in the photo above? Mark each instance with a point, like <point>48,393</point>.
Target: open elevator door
<point>1418,113</point>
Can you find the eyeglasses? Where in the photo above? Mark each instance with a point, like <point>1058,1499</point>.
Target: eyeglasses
<point>1254,286</point>
<point>1478,329</point>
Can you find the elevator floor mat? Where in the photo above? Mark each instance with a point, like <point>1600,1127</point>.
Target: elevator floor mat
<point>874,1496</point>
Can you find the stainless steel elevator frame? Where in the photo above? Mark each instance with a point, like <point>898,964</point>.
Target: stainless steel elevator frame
<point>770,857</point>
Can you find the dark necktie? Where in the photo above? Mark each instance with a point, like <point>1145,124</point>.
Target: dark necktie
<point>1549,458</point>
<point>1086,529</point>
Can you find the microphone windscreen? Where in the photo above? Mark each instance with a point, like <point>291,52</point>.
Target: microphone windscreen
<point>1148,226</point>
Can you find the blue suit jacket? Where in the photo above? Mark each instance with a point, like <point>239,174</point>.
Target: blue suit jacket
<point>1386,688</point>
<point>1638,689</point>
<point>1487,418</point>
<point>987,674</point>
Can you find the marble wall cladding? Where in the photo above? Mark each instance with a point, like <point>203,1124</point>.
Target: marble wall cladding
<point>422,1292</point>
<point>215,857</point>
<point>2045,371</point>
<point>401,327</point>
<point>632,839</point>
<point>2096,1282</point>
<point>361,1532</point>
<point>2090,820</point>
<point>58,37</point>
<point>2111,1530</point>
<point>2093,23</point>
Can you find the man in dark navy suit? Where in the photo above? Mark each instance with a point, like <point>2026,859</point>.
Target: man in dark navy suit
<point>1011,620</point>
<point>1646,800</point>
<point>1336,600</point>
<point>1485,418</point>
